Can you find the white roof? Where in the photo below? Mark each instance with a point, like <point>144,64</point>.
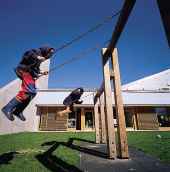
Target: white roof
<point>56,97</point>
<point>149,91</point>
<point>130,98</point>
<point>152,82</point>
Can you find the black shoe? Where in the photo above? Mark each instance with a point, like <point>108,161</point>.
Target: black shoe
<point>8,114</point>
<point>10,107</point>
<point>20,116</point>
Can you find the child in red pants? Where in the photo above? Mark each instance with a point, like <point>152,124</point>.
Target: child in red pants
<point>28,71</point>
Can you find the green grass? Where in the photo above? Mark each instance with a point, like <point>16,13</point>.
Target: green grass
<point>150,143</point>
<point>29,145</point>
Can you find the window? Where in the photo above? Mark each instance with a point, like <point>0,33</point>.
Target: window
<point>51,116</point>
<point>163,117</point>
<point>72,120</point>
<point>161,111</point>
<point>89,119</point>
<point>128,119</point>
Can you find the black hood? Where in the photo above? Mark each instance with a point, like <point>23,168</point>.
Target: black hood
<point>78,91</point>
<point>45,51</point>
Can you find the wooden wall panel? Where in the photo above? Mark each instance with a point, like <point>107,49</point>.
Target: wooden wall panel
<point>147,121</point>
<point>51,121</point>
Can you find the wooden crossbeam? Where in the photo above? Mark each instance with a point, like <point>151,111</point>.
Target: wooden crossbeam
<point>123,18</point>
<point>164,9</point>
<point>99,92</point>
<point>101,89</point>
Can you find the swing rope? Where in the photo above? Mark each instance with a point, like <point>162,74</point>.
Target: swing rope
<point>78,56</point>
<point>79,37</point>
<point>92,29</point>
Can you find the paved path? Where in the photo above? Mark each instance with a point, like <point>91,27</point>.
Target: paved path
<point>138,162</point>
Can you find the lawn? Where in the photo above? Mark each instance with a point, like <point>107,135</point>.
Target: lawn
<point>155,143</point>
<point>25,152</point>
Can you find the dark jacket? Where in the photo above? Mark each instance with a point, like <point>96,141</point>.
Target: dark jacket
<point>30,63</point>
<point>73,97</point>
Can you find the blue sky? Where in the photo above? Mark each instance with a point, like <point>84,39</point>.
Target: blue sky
<point>142,48</point>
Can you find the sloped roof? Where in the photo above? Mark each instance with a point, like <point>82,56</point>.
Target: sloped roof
<point>152,82</point>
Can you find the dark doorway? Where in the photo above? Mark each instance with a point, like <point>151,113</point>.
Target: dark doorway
<point>78,119</point>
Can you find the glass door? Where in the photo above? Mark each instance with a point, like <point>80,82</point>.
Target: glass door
<point>89,119</point>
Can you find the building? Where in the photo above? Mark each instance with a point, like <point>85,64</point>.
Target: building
<point>147,100</point>
<point>146,103</point>
<point>49,102</point>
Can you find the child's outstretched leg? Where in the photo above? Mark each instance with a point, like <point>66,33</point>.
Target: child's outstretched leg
<point>22,99</point>
<point>27,93</point>
<point>68,103</point>
<point>66,111</point>
<point>10,108</point>
<point>20,108</point>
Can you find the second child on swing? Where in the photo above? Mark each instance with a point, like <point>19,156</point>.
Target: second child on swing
<point>71,99</point>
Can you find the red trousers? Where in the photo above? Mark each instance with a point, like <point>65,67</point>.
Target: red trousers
<point>28,87</point>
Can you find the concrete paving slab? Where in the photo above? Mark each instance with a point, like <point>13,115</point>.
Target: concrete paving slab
<point>138,162</point>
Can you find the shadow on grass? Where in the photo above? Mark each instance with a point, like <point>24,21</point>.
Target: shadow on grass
<point>56,164</point>
<point>70,145</point>
<point>53,163</point>
<point>7,157</point>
